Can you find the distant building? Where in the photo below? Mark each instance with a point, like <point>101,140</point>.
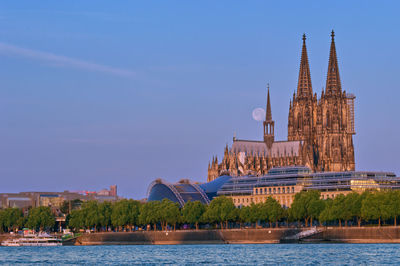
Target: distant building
<point>319,131</point>
<point>54,199</point>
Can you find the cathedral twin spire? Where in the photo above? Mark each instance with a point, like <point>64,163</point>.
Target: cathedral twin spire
<point>333,85</point>
<point>304,87</point>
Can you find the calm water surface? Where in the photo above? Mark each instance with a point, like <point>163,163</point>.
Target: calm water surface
<point>205,254</point>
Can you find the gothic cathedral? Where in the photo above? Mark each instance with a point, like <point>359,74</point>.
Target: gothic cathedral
<point>320,131</point>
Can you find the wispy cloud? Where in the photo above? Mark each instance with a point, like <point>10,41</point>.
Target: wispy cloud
<point>61,60</point>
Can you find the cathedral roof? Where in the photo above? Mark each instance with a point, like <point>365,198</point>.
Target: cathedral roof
<point>278,149</point>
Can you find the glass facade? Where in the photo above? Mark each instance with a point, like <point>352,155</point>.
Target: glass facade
<point>185,191</point>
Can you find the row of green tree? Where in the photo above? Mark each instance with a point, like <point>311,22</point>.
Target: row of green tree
<point>40,218</point>
<point>373,207</point>
<point>161,214</point>
<point>307,209</point>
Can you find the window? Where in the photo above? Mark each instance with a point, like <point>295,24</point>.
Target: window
<point>269,190</point>
<point>292,189</point>
<point>274,190</point>
<point>279,190</point>
<point>283,190</point>
<point>256,190</point>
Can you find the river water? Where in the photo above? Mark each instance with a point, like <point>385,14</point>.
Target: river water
<point>205,254</point>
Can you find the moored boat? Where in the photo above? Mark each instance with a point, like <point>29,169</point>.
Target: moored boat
<point>34,241</point>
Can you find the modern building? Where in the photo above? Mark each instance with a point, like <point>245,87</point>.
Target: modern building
<point>281,183</point>
<point>320,130</point>
<point>185,191</point>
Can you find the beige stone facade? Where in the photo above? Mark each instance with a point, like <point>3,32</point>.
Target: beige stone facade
<point>320,130</point>
<point>284,197</point>
<point>283,194</point>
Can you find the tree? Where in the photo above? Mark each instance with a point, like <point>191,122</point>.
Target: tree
<point>221,209</point>
<point>149,213</point>
<point>40,217</point>
<point>307,205</point>
<point>393,201</point>
<point>384,207</point>
<point>339,210</point>
<point>125,213</point>
<point>245,215</point>
<point>104,211</point>
<point>76,219</point>
<point>192,212</point>
<point>353,204</point>
<point>274,210</point>
<point>11,218</point>
<point>370,207</point>
<point>326,214</point>
<point>258,213</point>
<point>91,215</point>
<point>133,213</point>
<point>169,213</point>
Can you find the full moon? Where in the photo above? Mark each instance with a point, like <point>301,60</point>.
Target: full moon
<point>258,114</point>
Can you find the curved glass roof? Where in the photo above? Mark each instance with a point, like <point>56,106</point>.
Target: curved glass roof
<point>179,192</point>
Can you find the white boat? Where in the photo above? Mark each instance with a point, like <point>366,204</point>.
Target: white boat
<point>34,241</point>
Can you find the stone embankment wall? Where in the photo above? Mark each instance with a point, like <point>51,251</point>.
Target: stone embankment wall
<point>242,236</point>
<point>385,234</point>
<point>185,237</point>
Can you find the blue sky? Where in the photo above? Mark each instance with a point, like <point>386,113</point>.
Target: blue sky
<point>95,93</point>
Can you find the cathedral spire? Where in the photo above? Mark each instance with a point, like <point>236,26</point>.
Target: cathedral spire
<point>268,114</point>
<point>333,84</point>
<point>304,87</point>
<point>269,124</point>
